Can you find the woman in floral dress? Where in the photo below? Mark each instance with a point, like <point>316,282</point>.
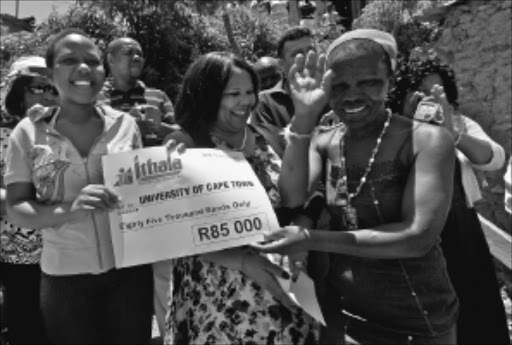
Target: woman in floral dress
<point>231,296</point>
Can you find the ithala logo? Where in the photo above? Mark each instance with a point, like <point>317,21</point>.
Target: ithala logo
<point>148,171</point>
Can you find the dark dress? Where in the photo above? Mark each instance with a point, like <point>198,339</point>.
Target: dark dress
<point>470,266</point>
<point>387,299</point>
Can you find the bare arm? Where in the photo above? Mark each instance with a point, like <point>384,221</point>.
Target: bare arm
<point>309,88</point>
<point>25,211</point>
<point>474,143</point>
<point>479,148</point>
<point>425,205</point>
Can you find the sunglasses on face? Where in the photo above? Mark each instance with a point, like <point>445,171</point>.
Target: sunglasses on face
<point>40,89</point>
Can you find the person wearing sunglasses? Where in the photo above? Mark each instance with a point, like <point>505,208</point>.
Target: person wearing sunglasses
<point>26,85</point>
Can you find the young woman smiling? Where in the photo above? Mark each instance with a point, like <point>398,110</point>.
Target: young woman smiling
<point>55,182</point>
<point>231,296</point>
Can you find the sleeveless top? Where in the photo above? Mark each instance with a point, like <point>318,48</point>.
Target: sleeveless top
<point>410,295</point>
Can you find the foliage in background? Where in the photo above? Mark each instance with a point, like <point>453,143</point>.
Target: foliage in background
<point>92,21</point>
<point>255,34</point>
<point>399,18</point>
<point>171,33</point>
<point>174,33</point>
<point>383,15</point>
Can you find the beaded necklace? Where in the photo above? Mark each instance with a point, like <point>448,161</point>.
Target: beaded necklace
<point>350,212</point>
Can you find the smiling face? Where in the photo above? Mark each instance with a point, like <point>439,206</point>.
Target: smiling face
<point>77,71</point>
<point>359,88</point>
<point>238,100</point>
<point>126,59</point>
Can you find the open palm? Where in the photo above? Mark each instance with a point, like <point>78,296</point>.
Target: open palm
<point>309,85</point>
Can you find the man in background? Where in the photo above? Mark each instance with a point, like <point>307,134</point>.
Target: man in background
<point>124,91</point>
<point>269,72</point>
<point>275,106</point>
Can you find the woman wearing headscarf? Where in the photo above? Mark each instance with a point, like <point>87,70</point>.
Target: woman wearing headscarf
<point>388,187</point>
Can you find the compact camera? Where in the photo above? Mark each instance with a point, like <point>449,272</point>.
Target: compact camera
<point>430,112</point>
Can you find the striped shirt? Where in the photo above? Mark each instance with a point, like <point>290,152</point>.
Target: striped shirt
<point>140,94</point>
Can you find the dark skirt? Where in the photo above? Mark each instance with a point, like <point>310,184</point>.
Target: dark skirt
<point>482,318</point>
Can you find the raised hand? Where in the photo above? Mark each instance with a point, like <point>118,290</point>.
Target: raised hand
<point>310,85</point>
<point>438,95</point>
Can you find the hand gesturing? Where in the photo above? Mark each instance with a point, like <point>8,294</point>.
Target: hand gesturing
<point>309,85</point>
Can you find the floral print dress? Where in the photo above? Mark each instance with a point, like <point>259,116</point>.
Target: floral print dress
<point>19,245</point>
<point>211,304</point>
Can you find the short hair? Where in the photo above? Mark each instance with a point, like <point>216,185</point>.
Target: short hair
<point>50,50</point>
<point>361,47</point>
<point>292,34</point>
<point>201,92</point>
<point>14,100</point>
<point>115,44</point>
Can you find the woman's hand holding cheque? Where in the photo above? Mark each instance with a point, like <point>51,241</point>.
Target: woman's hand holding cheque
<point>97,197</point>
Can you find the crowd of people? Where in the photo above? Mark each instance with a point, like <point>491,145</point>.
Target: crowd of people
<point>402,258</point>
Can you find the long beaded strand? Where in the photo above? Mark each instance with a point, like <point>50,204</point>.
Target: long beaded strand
<point>362,181</point>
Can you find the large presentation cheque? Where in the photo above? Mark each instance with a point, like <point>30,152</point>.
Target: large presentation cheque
<point>179,205</point>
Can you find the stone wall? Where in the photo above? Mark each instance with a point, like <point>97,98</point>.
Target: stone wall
<point>477,38</point>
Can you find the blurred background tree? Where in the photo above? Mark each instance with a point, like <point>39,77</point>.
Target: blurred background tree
<point>171,33</point>
<point>174,33</point>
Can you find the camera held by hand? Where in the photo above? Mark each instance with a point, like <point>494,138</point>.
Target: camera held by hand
<point>430,112</point>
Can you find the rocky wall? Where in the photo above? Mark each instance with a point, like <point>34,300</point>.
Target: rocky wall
<point>477,38</point>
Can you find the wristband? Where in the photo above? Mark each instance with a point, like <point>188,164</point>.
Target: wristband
<point>289,135</point>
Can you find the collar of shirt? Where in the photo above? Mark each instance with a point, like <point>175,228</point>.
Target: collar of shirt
<point>38,114</point>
